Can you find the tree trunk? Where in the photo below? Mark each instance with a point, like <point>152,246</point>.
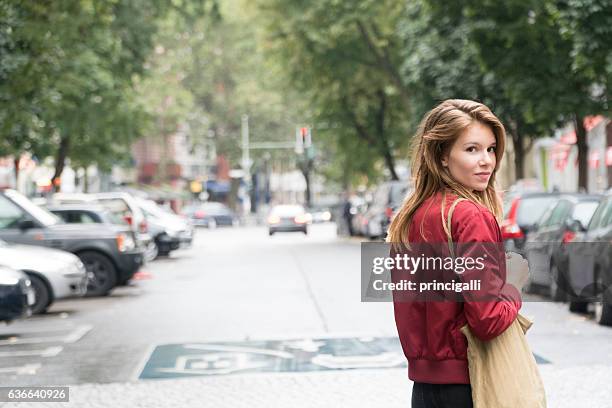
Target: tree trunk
<point>85,180</point>
<point>306,168</point>
<point>583,148</point>
<point>519,155</point>
<point>308,196</point>
<point>390,162</point>
<point>16,162</point>
<point>382,136</point>
<point>60,162</point>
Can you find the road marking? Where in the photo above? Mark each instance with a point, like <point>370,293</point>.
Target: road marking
<point>238,349</point>
<point>16,330</point>
<point>73,337</point>
<point>141,365</point>
<point>48,352</point>
<point>28,369</point>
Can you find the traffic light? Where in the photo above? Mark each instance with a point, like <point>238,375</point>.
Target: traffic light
<point>303,139</point>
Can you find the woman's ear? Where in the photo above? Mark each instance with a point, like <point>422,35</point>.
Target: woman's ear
<point>444,160</point>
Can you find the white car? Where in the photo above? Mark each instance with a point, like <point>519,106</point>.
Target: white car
<point>54,274</point>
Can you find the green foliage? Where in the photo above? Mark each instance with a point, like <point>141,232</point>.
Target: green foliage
<point>344,67</point>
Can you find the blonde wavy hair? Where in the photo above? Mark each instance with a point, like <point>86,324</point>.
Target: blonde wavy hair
<point>434,138</point>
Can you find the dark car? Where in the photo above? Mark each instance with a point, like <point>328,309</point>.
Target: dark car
<point>521,216</point>
<point>288,218</point>
<point>210,214</point>
<point>110,253</point>
<point>547,246</point>
<point>16,294</point>
<point>590,264</point>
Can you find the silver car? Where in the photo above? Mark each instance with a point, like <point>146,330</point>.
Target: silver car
<point>54,274</point>
<point>168,230</point>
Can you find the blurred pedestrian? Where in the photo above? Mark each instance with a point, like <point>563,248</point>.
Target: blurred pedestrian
<point>347,215</point>
<point>457,152</point>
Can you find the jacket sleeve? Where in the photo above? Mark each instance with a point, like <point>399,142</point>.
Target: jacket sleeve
<point>495,305</point>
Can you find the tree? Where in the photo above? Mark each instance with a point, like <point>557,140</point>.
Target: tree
<point>346,68</point>
<point>528,48</point>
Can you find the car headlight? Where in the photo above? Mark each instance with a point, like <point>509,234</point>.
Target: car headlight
<point>125,242</point>
<point>76,270</point>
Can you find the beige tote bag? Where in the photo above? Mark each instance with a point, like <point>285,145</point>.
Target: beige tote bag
<point>503,371</point>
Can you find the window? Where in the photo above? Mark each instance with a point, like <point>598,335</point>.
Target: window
<point>531,208</point>
<point>606,217</point>
<point>10,214</point>
<point>559,213</point>
<point>597,216</point>
<point>86,218</point>
<point>546,218</point>
<point>584,211</point>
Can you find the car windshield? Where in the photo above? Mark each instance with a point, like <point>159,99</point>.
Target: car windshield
<point>531,209</point>
<point>583,211</point>
<point>151,208</point>
<point>43,216</point>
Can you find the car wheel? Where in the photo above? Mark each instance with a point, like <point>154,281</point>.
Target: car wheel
<point>578,307</point>
<point>101,273</point>
<point>603,313</point>
<point>151,252</point>
<point>557,285</point>
<point>270,233</point>
<point>603,309</point>
<point>42,294</point>
<point>164,250</point>
<point>305,232</point>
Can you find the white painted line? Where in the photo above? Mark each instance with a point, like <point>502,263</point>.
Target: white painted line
<point>38,329</point>
<point>28,369</point>
<point>76,335</point>
<point>48,352</point>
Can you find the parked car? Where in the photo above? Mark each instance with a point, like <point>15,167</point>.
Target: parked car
<point>358,222</point>
<point>87,214</point>
<point>16,294</point>
<point>521,216</point>
<point>288,218</point>
<point>122,206</point>
<point>590,264</point>
<point>108,252</point>
<point>210,214</point>
<point>169,231</point>
<point>547,246</point>
<point>53,274</point>
<point>387,197</point>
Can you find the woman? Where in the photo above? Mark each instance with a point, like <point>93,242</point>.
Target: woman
<point>457,152</point>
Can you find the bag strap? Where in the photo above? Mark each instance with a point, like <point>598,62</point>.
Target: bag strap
<point>446,223</point>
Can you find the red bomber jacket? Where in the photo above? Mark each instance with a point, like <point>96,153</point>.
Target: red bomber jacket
<point>429,331</point>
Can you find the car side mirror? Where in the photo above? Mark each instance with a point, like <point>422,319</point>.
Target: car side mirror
<point>26,225</point>
<point>575,226</point>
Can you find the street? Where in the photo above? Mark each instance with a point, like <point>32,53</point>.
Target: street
<point>238,298</point>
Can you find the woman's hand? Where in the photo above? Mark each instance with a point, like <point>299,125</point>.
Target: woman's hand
<point>517,270</point>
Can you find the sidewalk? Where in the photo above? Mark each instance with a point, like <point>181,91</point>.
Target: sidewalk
<point>569,387</point>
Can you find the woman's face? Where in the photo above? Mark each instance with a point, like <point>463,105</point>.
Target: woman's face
<point>471,159</point>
